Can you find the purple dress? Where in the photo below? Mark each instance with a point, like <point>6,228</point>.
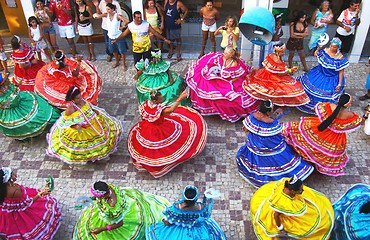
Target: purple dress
<point>216,89</point>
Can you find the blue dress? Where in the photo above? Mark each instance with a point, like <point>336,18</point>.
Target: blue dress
<point>187,224</point>
<point>320,82</point>
<point>350,224</point>
<point>266,157</point>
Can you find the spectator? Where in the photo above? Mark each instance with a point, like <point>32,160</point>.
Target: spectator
<point>348,20</point>
<point>298,30</point>
<point>173,22</point>
<point>84,27</point>
<point>37,38</point>
<point>117,46</point>
<point>101,9</point>
<point>62,11</point>
<point>320,20</point>
<point>230,33</point>
<point>209,15</point>
<point>155,17</point>
<point>47,26</point>
<point>367,95</point>
<point>3,58</point>
<point>278,33</point>
<point>140,37</point>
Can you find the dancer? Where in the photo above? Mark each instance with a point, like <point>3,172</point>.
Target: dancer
<point>287,209</point>
<point>322,139</point>
<point>118,213</point>
<point>157,76</point>
<point>352,214</point>
<point>84,132</point>
<point>48,30</point>
<point>23,114</point>
<point>230,33</point>
<point>83,16</point>
<point>187,219</point>
<point>210,15</point>
<point>215,83</point>
<point>298,31</point>
<point>325,82</point>
<point>320,19</point>
<point>274,82</point>
<point>266,157</point>
<point>55,78</point>
<point>37,38</point>
<point>167,136</point>
<point>26,65</point>
<point>26,213</point>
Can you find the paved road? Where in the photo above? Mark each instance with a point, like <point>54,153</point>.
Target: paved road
<point>214,167</point>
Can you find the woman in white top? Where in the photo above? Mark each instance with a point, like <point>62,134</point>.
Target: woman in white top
<point>155,17</point>
<point>114,23</point>
<point>37,38</point>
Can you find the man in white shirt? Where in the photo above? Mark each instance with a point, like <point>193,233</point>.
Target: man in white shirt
<point>348,20</point>
<point>100,9</point>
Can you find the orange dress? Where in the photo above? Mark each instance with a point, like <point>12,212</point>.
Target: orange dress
<point>53,83</point>
<point>272,82</point>
<point>327,149</point>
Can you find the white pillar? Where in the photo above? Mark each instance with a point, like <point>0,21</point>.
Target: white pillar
<point>361,33</point>
<point>246,46</point>
<point>137,5</point>
<point>28,8</point>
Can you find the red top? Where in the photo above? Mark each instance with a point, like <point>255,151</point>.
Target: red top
<point>63,18</point>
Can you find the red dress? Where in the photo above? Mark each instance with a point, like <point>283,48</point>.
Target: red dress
<point>25,77</point>
<point>53,83</point>
<point>159,142</point>
<point>272,82</point>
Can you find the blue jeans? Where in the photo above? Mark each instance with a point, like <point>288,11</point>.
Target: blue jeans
<point>106,40</point>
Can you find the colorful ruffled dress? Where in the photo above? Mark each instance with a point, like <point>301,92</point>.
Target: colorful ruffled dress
<point>21,218</point>
<point>155,77</point>
<point>53,83</point>
<point>306,216</point>
<point>350,223</point>
<point>266,156</point>
<point>25,77</point>
<point>187,224</point>
<point>326,149</point>
<point>267,83</point>
<point>320,82</point>
<point>136,209</point>
<point>159,142</point>
<point>216,89</point>
<point>24,114</point>
<point>88,134</point>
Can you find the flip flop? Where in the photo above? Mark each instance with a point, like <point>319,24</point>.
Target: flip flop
<point>115,65</point>
<point>179,58</point>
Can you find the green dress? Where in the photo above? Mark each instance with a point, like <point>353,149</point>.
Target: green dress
<point>136,209</point>
<point>24,114</point>
<point>155,77</point>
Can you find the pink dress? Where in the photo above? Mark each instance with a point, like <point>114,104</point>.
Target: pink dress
<point>217,89</point>
<point>21,218</point>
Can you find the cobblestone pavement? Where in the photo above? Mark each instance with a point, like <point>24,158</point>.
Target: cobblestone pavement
<point>214,167</point>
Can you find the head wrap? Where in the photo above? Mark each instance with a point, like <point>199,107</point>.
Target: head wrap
<point>336,41</point>
<point>96,192</point>
<point>280,48</point>
<point>61,56</point>
<point>18,38</point>
<point>277,16</point>
<point>184,197</point>
<point>7,174</point>
<point>295,183</point>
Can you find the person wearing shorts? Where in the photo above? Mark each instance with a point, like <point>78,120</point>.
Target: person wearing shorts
<point>62,11</point>
<point>209,14</point>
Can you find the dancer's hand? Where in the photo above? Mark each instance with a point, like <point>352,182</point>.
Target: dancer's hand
<point>337,88</point>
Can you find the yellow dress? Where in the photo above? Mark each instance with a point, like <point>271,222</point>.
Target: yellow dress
<point>306,216</point>
<point>88,134</point>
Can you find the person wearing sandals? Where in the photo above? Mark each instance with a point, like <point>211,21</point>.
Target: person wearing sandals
<point>83,16</point>
<point>47,26</point>
<point>187,219</point>
<point>140,30</point>
<point>173,21</point>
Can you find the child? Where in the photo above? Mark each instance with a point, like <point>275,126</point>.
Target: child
<point>3,59</point>
<point>277,33</point>
<point>37,38</point>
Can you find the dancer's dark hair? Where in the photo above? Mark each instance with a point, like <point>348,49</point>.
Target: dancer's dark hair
<point>265,106</point>
<point>101,186</point>
<point>293,184</point>
<point>2,187</point>
<point>72,93</point>
<point>365,208</point>
<point>59,57</point>
<point>15,42</point>
<point>343,100</point>
<point>191,194</point>
<point>155,94</point>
